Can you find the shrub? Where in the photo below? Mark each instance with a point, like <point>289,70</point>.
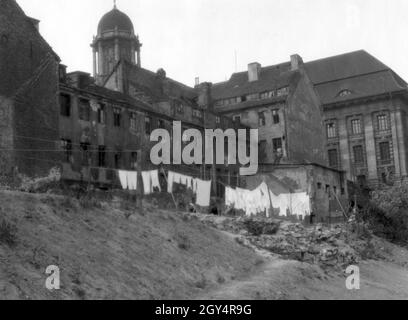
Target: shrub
<point>8,233</point>
<point>387,213</point>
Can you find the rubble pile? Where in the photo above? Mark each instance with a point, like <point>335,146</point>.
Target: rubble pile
<point>319,245</point>
<point>334,246</point>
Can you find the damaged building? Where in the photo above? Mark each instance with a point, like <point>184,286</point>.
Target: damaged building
<point>320,123</point>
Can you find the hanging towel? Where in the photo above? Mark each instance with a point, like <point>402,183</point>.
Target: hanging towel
<point>154,175</point>
<point>203,193</point>
<point>132,180</point>
<point>123,179</point>
<point>147,182</point>
<point>170,181</point>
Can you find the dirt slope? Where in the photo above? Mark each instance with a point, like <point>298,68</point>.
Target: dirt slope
<point>104,255</point>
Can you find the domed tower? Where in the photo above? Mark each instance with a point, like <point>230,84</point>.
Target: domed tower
<point>116,40</point>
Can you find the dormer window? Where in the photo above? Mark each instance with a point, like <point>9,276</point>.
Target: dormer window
<point>344,93</point>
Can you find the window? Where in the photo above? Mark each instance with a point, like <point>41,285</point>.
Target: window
<point>356,126</point>
<point>161,124</point>
<point>382,122</point>
<point>262,150</point>
<point>283,92</point>
<point>117,160</point>
<point>236,118</point>
<point>333,158</point>
<point>179,108</point>
<point>117,114</point>
<point>327,189</point>
<point>385,154</point>
<point>197,113</point>
<point>331,130</point>
<point>148,128</point>
<point>133,160</point>
<point>252,97</point>
<point>101,114</point>
<point>217,120</point>
<point>65,105</point>
<point>277,145</point>
<point>133,121</point>
<point>85,149</point>
<point>361,180</point>
<point>335,190</point>
<point>262,121</point>
<point>275,116</point>
<point>84,110</point>
<point>358,154</point>
<point>66,146</point>
<point>319,186</point>
<point>101,156</point>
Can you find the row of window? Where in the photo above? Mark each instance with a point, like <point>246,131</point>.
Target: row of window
<point>384,155</point>
<point>328,189</point>
<point>84,113</point>
<point>261,118</point>
<point>253,97</point>
<point>356,126</point>
<point>101,161</point>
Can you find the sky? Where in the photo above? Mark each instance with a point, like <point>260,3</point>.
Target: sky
<point>211,39</point>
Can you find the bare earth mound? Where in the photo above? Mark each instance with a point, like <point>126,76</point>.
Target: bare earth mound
<point>103,253</point>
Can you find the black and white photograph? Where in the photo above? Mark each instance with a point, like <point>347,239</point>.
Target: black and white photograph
<point>210,153</point>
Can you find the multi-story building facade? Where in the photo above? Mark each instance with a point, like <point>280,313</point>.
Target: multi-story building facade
<point>365,109</point>
<point>364,106</point>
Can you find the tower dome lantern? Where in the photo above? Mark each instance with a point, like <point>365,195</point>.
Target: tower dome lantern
<point>115,41</point>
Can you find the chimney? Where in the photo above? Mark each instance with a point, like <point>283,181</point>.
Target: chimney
<point>254,71</point>
<point>204,95</point>
<point>35,22</point>
<point>197,81</point>
<point>79,79</point>
<point>296,62</point>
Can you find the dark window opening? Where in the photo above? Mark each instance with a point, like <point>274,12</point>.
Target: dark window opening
<point>262,151</point>
<point>85,150</point>
<point>358,154</point>
<point>117,114</point>
<point>133,160</point>
<point>65,105</point>
<point>102,156</point>
<point>148,128</point>
<point>319,186</point>
<point>277,145</point>
<point>84,110</point>
<point>361,180</point>
<point>275,116</point>
<point>333,158</point>
<point>66,146</point>
<point>117,160</point>
<point>101,114</point>
<point>262,120</point>
<point>385,154</point>
<point>161,124</point>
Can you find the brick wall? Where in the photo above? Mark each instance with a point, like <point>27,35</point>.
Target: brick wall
<point>29,78</point>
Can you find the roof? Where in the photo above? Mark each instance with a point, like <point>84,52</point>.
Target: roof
<point>343,66</point>
<point>358,73</point>
<point>158,89</point>
<point>115,19</point>
<point>270,78</point>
